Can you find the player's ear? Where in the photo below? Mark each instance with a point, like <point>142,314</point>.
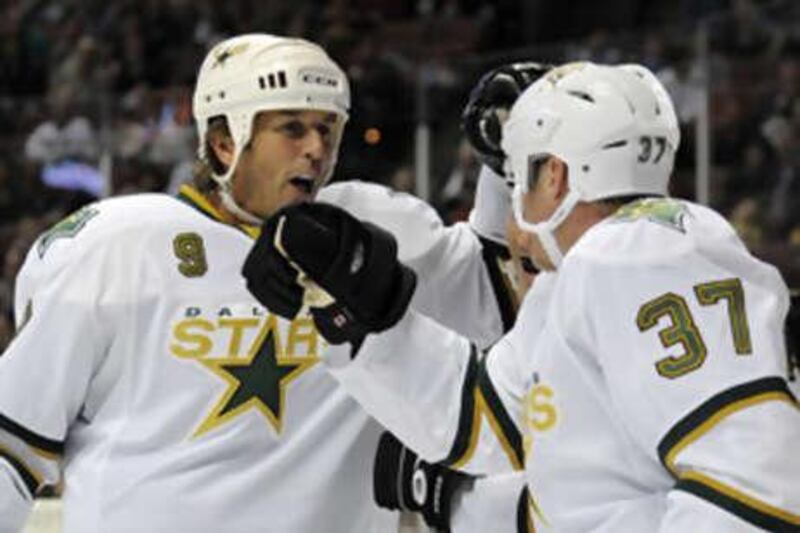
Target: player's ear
<point>221,145</point>
<point>556,174</point>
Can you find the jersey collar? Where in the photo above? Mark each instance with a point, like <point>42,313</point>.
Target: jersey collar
<point>191,196</point>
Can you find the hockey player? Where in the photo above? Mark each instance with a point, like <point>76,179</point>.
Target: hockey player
<point>643,385</point>
<point>169,397</point>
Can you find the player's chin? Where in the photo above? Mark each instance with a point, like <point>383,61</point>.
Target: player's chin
<point>295,196</point>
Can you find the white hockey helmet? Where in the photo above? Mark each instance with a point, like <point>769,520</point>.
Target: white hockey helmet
<point>244,75</point>
<point>614,126</point>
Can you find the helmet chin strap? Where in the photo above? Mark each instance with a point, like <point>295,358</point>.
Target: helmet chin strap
<point>550,246</point>
<point>231,206</point>
<point>226,192</point>
<point>545,230</point>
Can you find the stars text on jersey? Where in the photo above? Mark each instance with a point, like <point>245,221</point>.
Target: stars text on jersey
<point>540,413</point>
<point>248,353</point>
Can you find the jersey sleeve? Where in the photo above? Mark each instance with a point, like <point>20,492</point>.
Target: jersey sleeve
<point>462,281</point>
<point>439,395</point>
<point>692,353</point>
<point>63,307</point>
<point>493,503</point>
<point>496,427</point>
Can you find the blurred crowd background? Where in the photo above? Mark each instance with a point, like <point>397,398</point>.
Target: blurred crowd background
<point>95,98</point>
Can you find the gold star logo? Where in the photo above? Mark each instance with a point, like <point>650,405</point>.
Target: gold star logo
<point>258,381</point>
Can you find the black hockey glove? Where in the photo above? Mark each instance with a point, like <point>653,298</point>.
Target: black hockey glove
<point>403,481</point>
<point>272,280</point>
<point>345,270</point>
<point>495,93</point>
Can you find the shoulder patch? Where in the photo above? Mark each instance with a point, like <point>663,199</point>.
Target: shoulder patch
<point>664,211</point>
<point>67,228</point>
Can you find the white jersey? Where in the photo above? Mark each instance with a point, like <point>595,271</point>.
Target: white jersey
<point>644,384</point>
<point>174,401</point>
<point>447,260</point>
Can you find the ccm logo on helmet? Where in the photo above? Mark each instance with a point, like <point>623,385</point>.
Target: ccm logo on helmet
<point>319,78</point>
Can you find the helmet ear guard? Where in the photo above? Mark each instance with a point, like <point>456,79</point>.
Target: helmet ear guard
<point>613,126</point>
<point>247,74</point>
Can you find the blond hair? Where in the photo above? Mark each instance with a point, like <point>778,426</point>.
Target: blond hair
<point>205,168</point>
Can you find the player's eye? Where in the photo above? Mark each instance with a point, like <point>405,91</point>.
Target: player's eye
<point>294,129</point>
<point>324,130</point>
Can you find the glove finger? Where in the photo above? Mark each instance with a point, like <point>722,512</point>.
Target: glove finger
<point>471,121</point>
<point>528,72</point>
<point>491,132</point>
<point>380,254</point>
<point>258,258</point>
<point>374,285</point>
<point>503,90</point>
<point>287,298</point>
<point>279,267</point>
<point>279,302</point>
<point>309,243</point>
<point>279,297</point>
<point>264,259</point>
<point>334,264</point>
<point>272,280</point>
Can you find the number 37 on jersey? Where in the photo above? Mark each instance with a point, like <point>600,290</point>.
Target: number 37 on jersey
<point>683,331</point>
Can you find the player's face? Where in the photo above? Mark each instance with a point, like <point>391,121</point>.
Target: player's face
<point>518,242</point>
<point>288,157</point>
<point>540,202</point>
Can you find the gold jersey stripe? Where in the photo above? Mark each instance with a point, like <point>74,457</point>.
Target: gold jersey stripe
<point>198,200</point>
<point>44,454</point>
<point>41,445</point>
<point>737,502</point>
<point>718,408</point>
<point>467,418</point>
<point>480,411</point>
<point>718,417</point>
<point>475,431</point>
<point>513,456</point>
<point>31,477</point>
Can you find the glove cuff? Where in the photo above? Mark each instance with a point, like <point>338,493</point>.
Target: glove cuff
<point>492,207</point>
<point>386,474</point>
<point>394,470</point>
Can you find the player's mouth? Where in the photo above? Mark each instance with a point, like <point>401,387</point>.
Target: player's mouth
<point>304,184</point>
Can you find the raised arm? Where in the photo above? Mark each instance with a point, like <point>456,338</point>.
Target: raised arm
<point>460,268</point>
<point>432,387</point>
